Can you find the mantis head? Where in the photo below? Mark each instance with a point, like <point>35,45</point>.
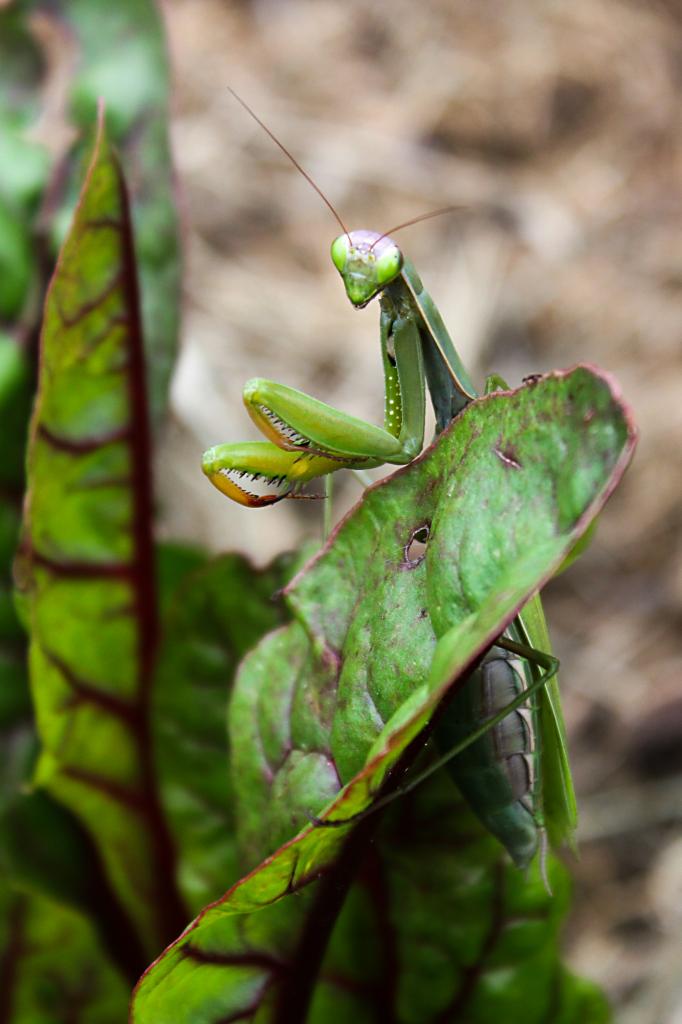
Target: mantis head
<point>367,262</point>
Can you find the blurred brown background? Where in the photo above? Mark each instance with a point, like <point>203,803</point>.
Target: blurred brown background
<point>565,119</point>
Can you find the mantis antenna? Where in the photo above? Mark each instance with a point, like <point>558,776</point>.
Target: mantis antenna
<point>416,220</point>
<point>325,200</point>
<point>293,160</point>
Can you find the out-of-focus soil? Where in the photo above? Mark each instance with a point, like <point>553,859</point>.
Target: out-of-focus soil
<point>558,125</point>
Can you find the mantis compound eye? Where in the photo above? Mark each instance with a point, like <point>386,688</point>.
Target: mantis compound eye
<point>340,250</point>
<point>389,263</point>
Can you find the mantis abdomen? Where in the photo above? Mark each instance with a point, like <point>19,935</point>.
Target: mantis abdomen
<point>497,774</point>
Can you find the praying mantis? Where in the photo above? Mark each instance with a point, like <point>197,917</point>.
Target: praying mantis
<point>309,438</point>
<point>511,764</point>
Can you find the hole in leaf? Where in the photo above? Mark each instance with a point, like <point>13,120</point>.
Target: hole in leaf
<point>415,549</point>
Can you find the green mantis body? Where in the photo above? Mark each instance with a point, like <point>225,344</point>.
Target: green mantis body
<point>515,774</point>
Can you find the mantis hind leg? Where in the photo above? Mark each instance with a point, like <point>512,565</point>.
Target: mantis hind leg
<point>549,665</point>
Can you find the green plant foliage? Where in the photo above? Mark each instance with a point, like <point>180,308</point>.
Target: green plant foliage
<point>14,700</point>
<point>143,806</point>
<point>22,178</point>
<point>26,171</point>
<point>87,564</point>
<point>121,45</point>
<point>87,570</point>
<point>216,615</point>
<point>53,967</point>
<point>52,891</point>
<point>342,696</point>
<point>17,735</point>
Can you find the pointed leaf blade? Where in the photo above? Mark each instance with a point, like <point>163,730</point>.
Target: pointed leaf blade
<point>87,565</point>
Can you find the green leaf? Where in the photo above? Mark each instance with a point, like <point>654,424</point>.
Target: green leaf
<point>45,853</point>
<point>215,615</point>
<point>25,171</point>
<point>507,491</point>
<point>15,404</point>
<point>52,966</point>
<point>16,263</point>
<point>87,564</point>
<point>13,684</point>
<point>437,927</point>
<point>17,735</point>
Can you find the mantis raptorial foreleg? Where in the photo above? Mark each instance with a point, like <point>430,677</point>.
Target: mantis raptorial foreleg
<point>259,473</point>
<point>298,424</point>
<point>295,421</point>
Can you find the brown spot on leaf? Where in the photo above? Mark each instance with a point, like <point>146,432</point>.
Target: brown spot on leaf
<point>507,456</point>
